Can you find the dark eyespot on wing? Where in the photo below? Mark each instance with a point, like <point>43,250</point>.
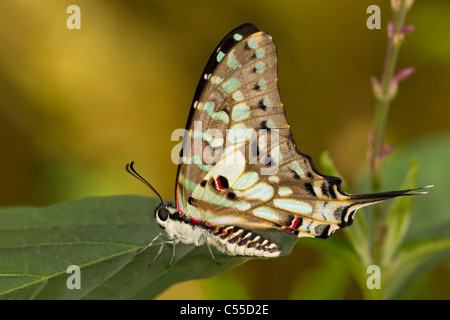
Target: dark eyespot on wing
<point>296,176</point>
<point>310,189</point>
<point>231,195</point>
<point>223,182</point>
<point>322,231</point>
<point>192,202</point>
<point>261,104</point>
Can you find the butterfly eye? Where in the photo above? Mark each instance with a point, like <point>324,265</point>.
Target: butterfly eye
<point>163,214</point>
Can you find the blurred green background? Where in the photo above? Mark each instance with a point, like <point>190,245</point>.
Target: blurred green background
<point>77,105</point>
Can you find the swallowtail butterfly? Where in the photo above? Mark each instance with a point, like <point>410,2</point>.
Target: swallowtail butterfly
<point>258,181</point>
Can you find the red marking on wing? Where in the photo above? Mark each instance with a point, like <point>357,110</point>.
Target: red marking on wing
<point>218,184</point>
<point>295,223</point>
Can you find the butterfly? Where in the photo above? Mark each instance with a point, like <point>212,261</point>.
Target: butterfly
<point>240,172</point>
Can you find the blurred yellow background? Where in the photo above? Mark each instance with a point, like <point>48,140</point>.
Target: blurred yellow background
<point>77,105</point>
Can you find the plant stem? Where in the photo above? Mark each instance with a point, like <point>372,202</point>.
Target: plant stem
<point>385,91</point>
<point>388,90</point>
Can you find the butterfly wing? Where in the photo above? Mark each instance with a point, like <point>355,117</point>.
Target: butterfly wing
<point>191,168</point>
<point>258,180</point>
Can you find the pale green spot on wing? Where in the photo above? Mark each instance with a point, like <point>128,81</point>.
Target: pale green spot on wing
<point>261,191</point>
<point>190,185</point>
<point>259,52</point>
<point>221,115</point>
<point>297,169</point>
<point>231,85</point>
<point>206,195</point>
<point>240,112</point>
<point>220,56</point>
<point>284,191</point>
<point>246,181</point>
<point>232,61</point>
<point>217,80</point>
<point>271,125</point>
<point>252,43</point>
<point>265,213</point>
<point>274,179</point>
<point>262,84</point>
<point>198,162</point>
<point>239,133</point>
<point>293,205</point>
<point>212,141</point>
<point>237,96</point>
<point>237,37</point>
<point>259,67</point>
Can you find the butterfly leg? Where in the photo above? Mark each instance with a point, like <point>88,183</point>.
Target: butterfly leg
<point>173,241</point>
<point>151,242</point>
<point>159,252</point>
<point>210,250</point>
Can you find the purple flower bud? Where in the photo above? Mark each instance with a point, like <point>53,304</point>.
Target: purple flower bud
<point>407,29</point>
<point>385,151</point>
<point>403,74</point>
<point>390,30</point>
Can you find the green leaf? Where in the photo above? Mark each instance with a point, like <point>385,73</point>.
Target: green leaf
<point>398,217</point>
<point>429,233</point>
<point>430,218</point>
<point>413,260</point>
<point>100,235</point>
<point>429,224</point>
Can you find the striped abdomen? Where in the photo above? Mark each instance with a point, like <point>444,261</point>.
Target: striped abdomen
<point>238,241</point>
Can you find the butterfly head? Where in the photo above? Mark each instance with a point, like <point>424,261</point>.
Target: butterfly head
<point>163,214</point>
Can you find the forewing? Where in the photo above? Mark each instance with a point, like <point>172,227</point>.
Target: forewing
<point>188,172</point>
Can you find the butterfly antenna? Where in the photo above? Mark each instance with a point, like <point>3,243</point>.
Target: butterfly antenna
<point>130,169</point>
